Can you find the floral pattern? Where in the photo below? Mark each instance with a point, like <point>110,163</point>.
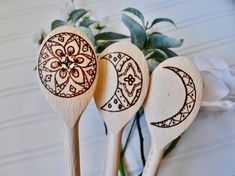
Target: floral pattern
<point>67,65</point>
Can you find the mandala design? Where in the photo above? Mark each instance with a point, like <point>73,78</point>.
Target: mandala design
<point>67,65</point>
<point>189,102</point>
<point>129,82</point>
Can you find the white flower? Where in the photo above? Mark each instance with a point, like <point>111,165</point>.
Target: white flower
<point>218,83</point>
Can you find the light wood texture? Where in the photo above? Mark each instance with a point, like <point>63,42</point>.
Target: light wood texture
<point>121,90</point>
<point>26,150</point>
<point>173,102</point>
<point>112,156</point>
<point>60,77</point>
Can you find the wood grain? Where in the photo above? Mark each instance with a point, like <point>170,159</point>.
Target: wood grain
<point>67,70</point>
<point>173,102</point>
<point>121,90</point>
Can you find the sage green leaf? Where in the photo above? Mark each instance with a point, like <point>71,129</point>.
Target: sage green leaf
<point>104,45</point>
<point>88,33</point>
<point>171,146</point>
<point>57,23</point>
<point>86,22</point>
<point>135,12</point>
<point>162,41</point>
<point>110,36</point>
<point>156,55</point>
<point>138,34</point>
<point>99,26</point>
<point>154,33</point>
<point>75,15</point>
<point>169,52</point>
<point>158,20</point>
<point>42,37</point>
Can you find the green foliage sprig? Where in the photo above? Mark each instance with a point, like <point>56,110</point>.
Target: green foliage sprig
<point>154,45</point>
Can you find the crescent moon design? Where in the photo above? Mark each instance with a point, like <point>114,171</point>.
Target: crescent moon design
<point>67,65</point>
<point>189,101</point>
<point>129,82</point>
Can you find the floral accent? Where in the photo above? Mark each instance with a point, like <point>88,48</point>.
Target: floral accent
<point>218,83</point>
<point>129,79</point>
<point>67,65</point>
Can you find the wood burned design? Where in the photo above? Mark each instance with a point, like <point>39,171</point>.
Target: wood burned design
<point>189,102</point>
<point>129,82</point>
<point>67,65</point>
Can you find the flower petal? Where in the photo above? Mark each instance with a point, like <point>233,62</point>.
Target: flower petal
<point>82,61</point>
<point>214,89</point>
<point>58,51</point>
<point>77,75</point>
<point>52,65</point>
<point>61,77</point>
<point>72,47</point>
<point>216,105</point>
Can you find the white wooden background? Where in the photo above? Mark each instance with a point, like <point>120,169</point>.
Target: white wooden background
<point>31,134</point>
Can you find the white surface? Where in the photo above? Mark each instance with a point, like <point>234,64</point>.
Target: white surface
<point>31,134</point>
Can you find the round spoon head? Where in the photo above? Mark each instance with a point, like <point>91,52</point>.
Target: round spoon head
<point>174,99</point>
<point>67,71</point>
<point>122,84</point>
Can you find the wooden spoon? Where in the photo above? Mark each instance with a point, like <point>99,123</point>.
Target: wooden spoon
<point>173,102</point>
<point>67,69</point>
<point>121,89</point>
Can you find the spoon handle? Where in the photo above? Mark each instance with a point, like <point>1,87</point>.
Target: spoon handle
<point>113,151</point>
<point>153,162</point>
<point>72,151</point>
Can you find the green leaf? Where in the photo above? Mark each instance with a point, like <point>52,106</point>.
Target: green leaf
<point>57,23</point>
<point>86,22</point>
<point>158,20</point>
<point>110,36</point>
<point>135,12</point>
<point>88,33</point>
<point>154,33</point>
<point>156,55</point>
<point>162,41</point>
<point>75,15</point>
<point>42,37</point>
<point>138,34</point>
<point>121,167</point>
<point>101,47</point>
<point>99,26</point>
<point>169,52</point>
<point>171,146</point>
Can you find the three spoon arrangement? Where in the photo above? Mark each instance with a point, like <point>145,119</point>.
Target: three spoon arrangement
<point>68,71</point>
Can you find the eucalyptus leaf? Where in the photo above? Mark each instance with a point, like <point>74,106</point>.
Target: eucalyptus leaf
<point>156,55</point>
<point>104,45</point>
<point>88,33</point>
<point>138,34</point>
<point>75,15</point>
<point>86,22</point>
<point>171,146</point>
<point>154,33</point>
<point>169,52</point>
<point>110,36</point>
<point>99,26</point>
<point>57,23</point>
<point>135,12</point>
<point>158,20</point>
<point>42,37</point>
<point>163,41</point>
<point>158,59</point>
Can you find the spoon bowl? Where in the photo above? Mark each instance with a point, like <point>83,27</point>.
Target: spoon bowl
<point>67,72</point>
<point>121,90</point>
<point>174,99</point>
